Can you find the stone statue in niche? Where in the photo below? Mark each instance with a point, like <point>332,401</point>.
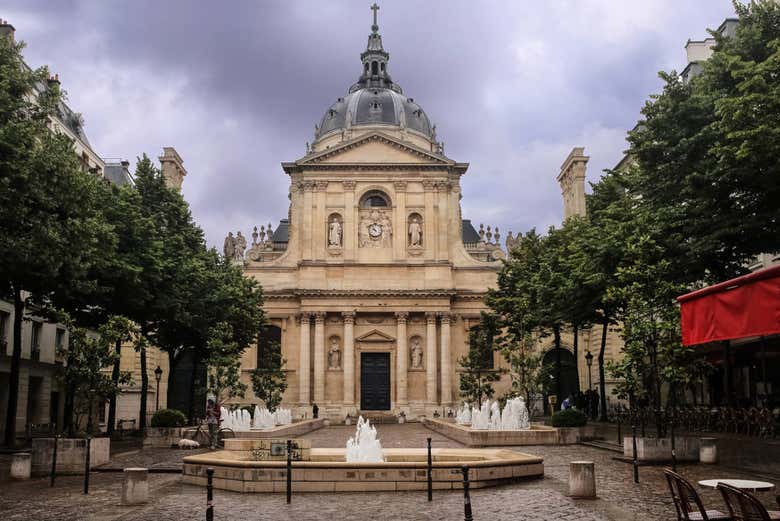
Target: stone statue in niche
<point>334,354</point>
<point>416,353</point>
<point>334,233</point>
<point>415,233</point>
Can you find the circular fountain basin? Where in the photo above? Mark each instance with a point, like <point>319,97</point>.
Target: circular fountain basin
<point>327,471</point>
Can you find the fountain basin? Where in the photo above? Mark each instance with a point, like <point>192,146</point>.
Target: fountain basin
<point>327,470</point>
<point>291,430</point>
<point>538,434</point>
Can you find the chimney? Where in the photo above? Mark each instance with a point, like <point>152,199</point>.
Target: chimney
<point>172,168</point>
<point>572,182</point>
<point>6,29</point>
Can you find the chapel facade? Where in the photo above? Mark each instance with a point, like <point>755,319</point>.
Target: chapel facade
<point>373,282</point>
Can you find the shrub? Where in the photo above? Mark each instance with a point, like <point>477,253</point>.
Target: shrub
<point>569,418</point>
<point>169,418</point>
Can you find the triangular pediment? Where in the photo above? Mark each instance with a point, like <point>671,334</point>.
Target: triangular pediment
<point>375,336</point>
<point>375,148</point>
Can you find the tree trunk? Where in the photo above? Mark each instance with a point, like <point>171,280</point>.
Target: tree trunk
<point>193,386</point>
<point>558,386</point>
<point>111,421</point>
<point>575,348</point>
<point>602,383</point>
<point>144,390</point>
<point>171,381</point>
<point>68,427</point>
<point>16,360</point>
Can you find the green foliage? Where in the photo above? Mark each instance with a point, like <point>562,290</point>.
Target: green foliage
<point>169,418</point>
<point>224,365</point>
<point>530,378</point>
<point>88,356</point>
<point>269,381</point>
<point>569,418</point>
<point>477,377</point>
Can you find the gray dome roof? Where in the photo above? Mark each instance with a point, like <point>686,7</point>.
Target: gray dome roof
<point>375,106</point>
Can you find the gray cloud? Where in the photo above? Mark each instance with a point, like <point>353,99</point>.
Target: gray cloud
<point>237,87</point>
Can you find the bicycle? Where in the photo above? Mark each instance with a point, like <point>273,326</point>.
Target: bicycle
<point>218,441</point>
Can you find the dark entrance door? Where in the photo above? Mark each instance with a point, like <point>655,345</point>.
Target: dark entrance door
<point>563,375</point>
<point>375,381</point>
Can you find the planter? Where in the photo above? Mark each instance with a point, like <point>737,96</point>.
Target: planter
<point>162,437</point>
<point>660,449</point>
<point>71,454</point>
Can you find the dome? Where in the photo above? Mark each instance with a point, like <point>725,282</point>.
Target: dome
<point>375,99</point>
<point>375,106</point>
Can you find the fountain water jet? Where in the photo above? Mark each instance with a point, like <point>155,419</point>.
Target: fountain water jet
<point>364,447</point>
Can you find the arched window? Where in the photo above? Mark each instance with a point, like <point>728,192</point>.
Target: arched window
<point>269,344</point>
<point>374,199</point>
<point>374,68</point>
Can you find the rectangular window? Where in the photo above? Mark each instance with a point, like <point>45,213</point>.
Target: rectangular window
<point>59,339</point>
<point>35,341</point>
<point>4,319</point>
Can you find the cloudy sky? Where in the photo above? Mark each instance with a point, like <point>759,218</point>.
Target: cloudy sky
<point>237,86</point>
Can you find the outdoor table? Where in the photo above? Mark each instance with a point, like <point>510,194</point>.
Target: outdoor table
<point>742,484</point>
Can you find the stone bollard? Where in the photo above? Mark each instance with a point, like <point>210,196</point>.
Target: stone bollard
<point>135,487</point>
<point>708,450</point>
<point>582,479</point>
<point>21,465</point>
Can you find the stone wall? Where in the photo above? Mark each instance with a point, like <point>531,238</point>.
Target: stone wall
<point>70,454</point>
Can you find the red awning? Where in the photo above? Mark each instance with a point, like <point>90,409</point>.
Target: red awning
<point>747,306</point>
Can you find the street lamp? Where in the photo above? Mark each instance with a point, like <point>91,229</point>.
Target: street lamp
<point>157,376</point>
<point>589,361</point>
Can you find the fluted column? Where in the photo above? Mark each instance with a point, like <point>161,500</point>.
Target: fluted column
<point>401,359</point>
<point>349,358</point>
<point>304,362</point>
<point>446,362</point>
<point>430,358</point>
<point>319,357</point>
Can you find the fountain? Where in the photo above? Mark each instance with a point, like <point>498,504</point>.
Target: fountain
<point>464,415</point>
<point>283,416</point>
<point>263,419</point>
<point>515,415</point>
<point>364,447</point>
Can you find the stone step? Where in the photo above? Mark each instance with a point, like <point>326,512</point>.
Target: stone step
<point>377,417</point>
<point>603,444</point>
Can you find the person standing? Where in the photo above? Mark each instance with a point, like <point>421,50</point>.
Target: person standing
<point>213,420</point>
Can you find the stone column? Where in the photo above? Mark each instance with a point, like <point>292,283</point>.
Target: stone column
<point>349,358</point>
<point>430,358</point>
<point>319,357</point>
<point>401,360</point>
<point>304,363</point>
<point>446,361</point>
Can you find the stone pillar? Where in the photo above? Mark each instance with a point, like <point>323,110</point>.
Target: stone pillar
<point>349,358</point>
<point>430,358</point>
<point>401,360</point>
<point>582,479</point>
<point>319,357</point>
<point>135,487</point>
<point>708,450</point>
<point>21,465</point>
<point>304,363</point>
<point>446,362</point>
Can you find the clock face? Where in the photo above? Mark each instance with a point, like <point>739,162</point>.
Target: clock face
<point>375,230</point>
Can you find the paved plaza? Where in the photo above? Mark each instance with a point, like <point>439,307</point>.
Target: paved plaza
<point>544,499</point>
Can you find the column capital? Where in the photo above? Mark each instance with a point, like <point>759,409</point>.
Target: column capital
<point>400,186</point>
<point>401,316</point>
<point>430,317</point>
<point>320,186</point>
<point>348,184</point>
<point>445,317</point>
<point>319,317</point>
<point>348,316</point>
<point>304,316</point>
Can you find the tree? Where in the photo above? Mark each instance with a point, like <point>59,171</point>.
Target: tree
<point>528,374</point>
<point>88,355</point>
<point>477,377</point>
<point>269,381</point>
<point>51,228</point>
<point>224,373</point>
<point>708,151</point>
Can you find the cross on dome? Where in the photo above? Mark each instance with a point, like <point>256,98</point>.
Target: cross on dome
<point>375,8</point>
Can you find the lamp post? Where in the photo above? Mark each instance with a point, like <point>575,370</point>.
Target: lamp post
<point>157,376</point>
<point>589,361</point>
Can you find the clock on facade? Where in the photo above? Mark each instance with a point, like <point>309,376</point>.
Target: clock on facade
<point>375,230</point>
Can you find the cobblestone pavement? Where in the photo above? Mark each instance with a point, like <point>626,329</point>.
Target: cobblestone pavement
<point>619,498</point>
